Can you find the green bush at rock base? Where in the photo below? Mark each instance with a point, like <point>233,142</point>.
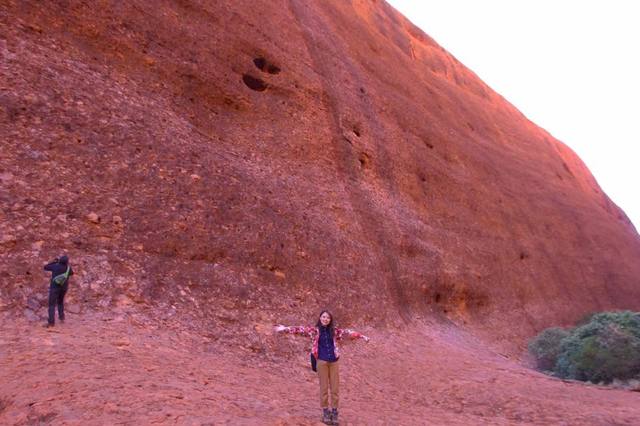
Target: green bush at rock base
<point>605,348</point>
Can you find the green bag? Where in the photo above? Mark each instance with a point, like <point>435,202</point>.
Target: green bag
<point>62,278</point>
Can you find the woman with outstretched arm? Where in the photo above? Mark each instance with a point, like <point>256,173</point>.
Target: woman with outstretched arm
<point>325,351</point>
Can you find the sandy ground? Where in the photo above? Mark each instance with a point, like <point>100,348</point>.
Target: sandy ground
<point>124,368</point>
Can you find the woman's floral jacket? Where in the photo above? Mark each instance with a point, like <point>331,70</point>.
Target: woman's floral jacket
<point>314,334</point>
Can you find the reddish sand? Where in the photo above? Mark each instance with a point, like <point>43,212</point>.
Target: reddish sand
<point>125,367</point>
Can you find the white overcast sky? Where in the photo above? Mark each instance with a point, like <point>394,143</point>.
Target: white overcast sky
<point>572,67</point>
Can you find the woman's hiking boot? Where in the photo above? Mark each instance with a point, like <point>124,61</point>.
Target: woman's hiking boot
<point>326,417</point>
<point>334,417</point>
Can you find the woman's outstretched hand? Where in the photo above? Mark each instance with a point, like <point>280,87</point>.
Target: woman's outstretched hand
<point>278,328</point>
<point>366,339</point>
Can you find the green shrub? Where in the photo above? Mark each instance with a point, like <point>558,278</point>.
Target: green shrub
<point>546,347</point>
<point>601,350</point>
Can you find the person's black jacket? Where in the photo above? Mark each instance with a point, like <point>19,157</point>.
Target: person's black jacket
<point>58,267</point>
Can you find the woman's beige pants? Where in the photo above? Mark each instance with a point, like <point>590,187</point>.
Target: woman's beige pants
<point>328,372</point>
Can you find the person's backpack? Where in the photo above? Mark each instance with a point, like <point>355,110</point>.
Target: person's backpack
<point>62,278</point>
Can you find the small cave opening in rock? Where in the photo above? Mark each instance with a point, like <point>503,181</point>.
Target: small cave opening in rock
<point>364,160</point>
<point>254,83</point>
<point>272,69</point>
<point>456,297</point>
<point>263,65</point>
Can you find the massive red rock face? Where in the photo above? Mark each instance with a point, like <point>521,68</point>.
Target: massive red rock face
<point>270,157</point>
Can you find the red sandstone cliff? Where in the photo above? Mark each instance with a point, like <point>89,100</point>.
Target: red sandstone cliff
<point>213,168</point>
<point>252,158</point>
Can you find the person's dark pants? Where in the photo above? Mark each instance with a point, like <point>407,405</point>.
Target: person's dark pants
<point>56,297</point>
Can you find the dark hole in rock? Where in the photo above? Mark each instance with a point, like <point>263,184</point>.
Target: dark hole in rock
<point>362,90</point>
<point>272,69</point>
<point>254,83</point>
<point>523,255</point>
<point>428,144</point>
<point>264,66</point>
<point>260,63</point>
<point>356,131</point>
<point>457,297</point>
<point>364,160</point>
<point>422,178</point>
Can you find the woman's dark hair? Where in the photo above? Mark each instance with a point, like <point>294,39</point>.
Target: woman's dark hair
<point>330,326</point>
